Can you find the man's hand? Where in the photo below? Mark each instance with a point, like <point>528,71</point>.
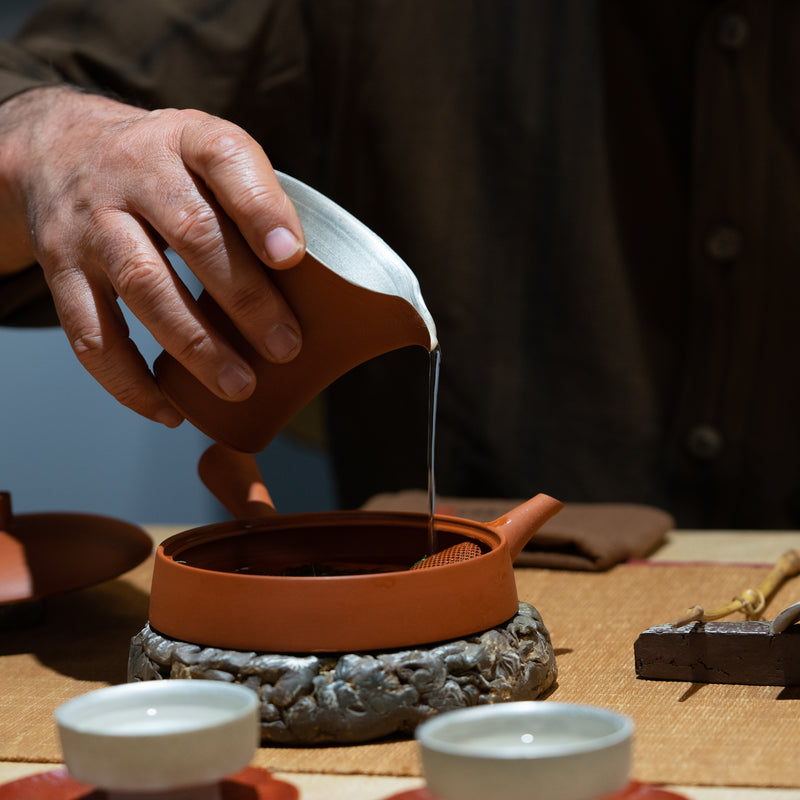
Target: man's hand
<point>95,191</point>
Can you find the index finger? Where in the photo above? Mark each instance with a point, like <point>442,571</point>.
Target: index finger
<point>239,174</point>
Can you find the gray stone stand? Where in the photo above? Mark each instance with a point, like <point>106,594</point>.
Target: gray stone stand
<point>348,698</point>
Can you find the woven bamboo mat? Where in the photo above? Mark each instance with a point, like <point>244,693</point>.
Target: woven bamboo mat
<point>686,734</point>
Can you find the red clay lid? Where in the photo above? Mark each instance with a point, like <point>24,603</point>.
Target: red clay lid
<point>45,554</point>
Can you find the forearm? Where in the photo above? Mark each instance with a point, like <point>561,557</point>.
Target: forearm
<point>24,296</point>
<point>23,78</point>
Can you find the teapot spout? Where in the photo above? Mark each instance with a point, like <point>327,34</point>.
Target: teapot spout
<point>519,524</point>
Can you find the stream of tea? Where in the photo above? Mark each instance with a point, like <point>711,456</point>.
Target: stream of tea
<point>433,396</point>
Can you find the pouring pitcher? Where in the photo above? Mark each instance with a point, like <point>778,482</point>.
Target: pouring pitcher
<point>354,298</point>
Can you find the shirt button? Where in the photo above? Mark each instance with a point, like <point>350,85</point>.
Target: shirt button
<point>705,442</point>
<point>733,31</point>
<point>723,243</point>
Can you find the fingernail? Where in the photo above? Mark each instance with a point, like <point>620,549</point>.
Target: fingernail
<point>281,244</point>
<point>282,341</point>
<point>169,416</point>
<point>233,380</point>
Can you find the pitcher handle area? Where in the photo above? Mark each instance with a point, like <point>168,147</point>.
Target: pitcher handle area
<point>234,479</point>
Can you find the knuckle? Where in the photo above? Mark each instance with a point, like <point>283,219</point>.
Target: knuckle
<point>88,344</point>
<point>248,300</point>
<point>226,149</point>
<point>272,201</point>
<point>51,235</point>
<point>180,116</point>
<point>72,232</point>
<point>231,156</point>
<point>138,276</point>
<point>223,144</point>
<point>100,234</point>
<point>105,363</point>
<point>130,394</point>
<point>195,230</point>
<point>51,252</point>
<point>194,348</point>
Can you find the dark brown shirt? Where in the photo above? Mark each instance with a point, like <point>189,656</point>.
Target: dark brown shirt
<point>600,200</point>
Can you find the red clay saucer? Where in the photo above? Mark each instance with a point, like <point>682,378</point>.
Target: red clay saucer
<point>251,783</point>
<point>633,791</point>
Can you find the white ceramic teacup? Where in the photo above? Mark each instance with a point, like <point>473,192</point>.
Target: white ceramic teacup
<point>164,737</point>
<point>524,750</point>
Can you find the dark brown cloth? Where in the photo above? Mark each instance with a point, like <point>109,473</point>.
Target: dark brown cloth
<point>582,536</point>
<point>600,200</point>
<point>596,536</point>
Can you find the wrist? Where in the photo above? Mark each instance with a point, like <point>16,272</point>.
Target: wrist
<point>19,116</point>
<point>40,129</point>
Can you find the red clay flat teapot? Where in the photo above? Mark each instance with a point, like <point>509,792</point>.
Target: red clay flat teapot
<point>333,581</point>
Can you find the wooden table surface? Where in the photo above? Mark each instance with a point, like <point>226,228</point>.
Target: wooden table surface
<point>760,547</point>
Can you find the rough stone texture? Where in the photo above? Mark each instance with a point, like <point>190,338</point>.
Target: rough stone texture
<point>314,699</point>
